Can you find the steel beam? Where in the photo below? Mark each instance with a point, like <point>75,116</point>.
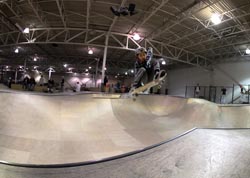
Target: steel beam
<point>61,10</point>
<point>42,37</point>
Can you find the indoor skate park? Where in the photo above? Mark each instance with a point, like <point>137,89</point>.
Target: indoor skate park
<point>67,69</point>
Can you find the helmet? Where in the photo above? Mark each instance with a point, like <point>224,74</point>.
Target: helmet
<point>140,50</point>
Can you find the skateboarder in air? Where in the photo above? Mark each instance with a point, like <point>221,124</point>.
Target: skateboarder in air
<point>145,65</point>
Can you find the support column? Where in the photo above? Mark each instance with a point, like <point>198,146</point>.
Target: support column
<point>104,60</point>
<point>16,75</point>
<point>96,70</point>
<point>50,73</point>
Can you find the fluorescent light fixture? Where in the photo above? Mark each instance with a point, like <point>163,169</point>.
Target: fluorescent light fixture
<point>65,65</point>
<point>90,51</point>
<point>16,50</point>
<point>26,30</point>
<point>126,73</point>
<point>90,67</point>
<point>136,36</point>
<point>163,62</point>
<point>247,51</point>
<point>215,18</point>
<point>132,71</point>
<point>86,70</point>
<point>7,67</point>
<point>105,68</point>
<point>35,59</point>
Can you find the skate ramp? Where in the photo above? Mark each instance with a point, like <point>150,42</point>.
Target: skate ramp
<point>49,129</point>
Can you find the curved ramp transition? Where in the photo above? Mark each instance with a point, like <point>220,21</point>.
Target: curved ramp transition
<point>49,129</point>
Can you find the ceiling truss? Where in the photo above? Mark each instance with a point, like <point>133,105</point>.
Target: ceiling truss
<point>116,41</point>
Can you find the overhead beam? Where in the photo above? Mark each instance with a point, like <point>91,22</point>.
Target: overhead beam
<point>147,17</point>
<point>38,11</point>
<point>115,18</point>
<point>167,26</point>
<point>61,10</point>
<point>212,25</point>
<point>87,20</point>
<point>176,54</point>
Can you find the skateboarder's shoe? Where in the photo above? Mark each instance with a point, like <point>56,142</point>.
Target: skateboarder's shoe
<point>132,89</point>
<point>162,73</point>
<point>147,91</point>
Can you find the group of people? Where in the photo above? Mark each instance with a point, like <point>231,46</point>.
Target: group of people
<point>29,83</point>
<point>146,69</point>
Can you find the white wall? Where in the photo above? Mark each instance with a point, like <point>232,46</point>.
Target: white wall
<point>179,79</point>
<point>234,73</point>
<point>223,75</point>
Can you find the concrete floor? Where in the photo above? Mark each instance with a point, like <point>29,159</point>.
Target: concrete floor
<point>202,153</point>
<point>58,129</point>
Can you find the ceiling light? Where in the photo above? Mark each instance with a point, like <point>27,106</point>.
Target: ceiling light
<point>65,65</point>
<point>26,30</point>
<point>136,36</point>
<point>86,70</point>
<point>90,67</point>
<point>35,59</point>
<point>16,50</point>
<point>105,68</point>
<point>132,71</point>
<point>163,62</point>
<point>90,51</point>
<point>216,19</point>
<point>247,51</point>
<point>126,73</point>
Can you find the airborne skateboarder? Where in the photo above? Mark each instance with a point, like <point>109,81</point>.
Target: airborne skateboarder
<point>145,65</point>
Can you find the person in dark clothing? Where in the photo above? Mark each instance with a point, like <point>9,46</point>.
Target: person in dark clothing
<point>9,82</point>
<point>32,83</point>
<point>105,81</point>
<point>51,84</point>
<point>223,95</point>
<point>146,66</point>
<point>26,83</point>
<point>197,89</point>
<point>62,84</point>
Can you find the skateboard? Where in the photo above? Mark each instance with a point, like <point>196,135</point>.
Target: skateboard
<point>157,81</point>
